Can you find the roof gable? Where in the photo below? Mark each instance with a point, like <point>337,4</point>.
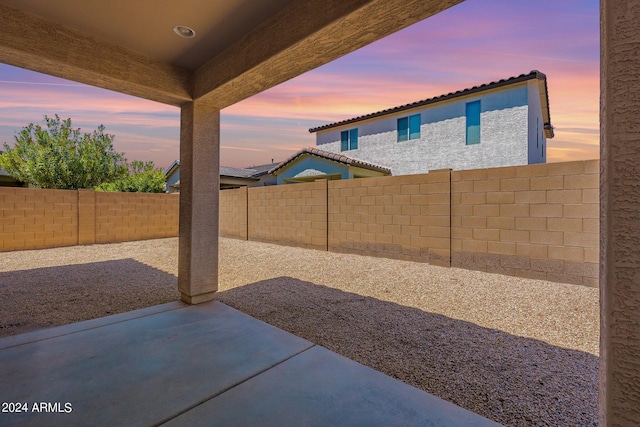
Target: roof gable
<point>172,168</point>
<point>326,155</point>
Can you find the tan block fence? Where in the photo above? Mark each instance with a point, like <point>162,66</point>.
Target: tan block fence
<point>536,221</point>
<point>406,217</point>
<point>294,215</point>
<point>35,218</point>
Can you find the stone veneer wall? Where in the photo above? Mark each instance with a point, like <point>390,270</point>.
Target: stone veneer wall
<point>37,218</point>
<point>537,221</point>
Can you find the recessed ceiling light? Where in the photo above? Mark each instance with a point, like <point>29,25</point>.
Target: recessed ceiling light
<point>184,31</point>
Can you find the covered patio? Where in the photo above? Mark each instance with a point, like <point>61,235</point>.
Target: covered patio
<point>204,365</point>
<point>240,50</point>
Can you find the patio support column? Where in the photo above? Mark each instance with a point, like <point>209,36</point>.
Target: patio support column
<point>619,399</point>
<point>199,191</point>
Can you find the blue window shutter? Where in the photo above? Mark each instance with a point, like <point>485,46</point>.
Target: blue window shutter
<point>414,127</point>
<point>403,129</point>
<point>353,139</point>
<point>344,140</point>
<point>473,122</point>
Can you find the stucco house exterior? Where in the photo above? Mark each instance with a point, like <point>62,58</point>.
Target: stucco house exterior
<point>503,123</point>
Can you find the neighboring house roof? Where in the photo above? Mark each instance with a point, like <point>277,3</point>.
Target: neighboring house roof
<point>253,172</point>
<point>544,101</point>
<point>263,169</point>
<point>237,172</point>
<point>250,174</point>
<point>172,168</point>
<point>331,156</point>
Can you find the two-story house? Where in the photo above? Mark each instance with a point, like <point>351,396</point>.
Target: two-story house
<point>503,123</point>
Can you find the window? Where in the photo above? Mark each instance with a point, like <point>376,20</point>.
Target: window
<point>349,140</point>
<point>473,122</point>
<point>409,128</point>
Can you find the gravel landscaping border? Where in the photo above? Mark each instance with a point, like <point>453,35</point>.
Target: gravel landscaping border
<point>521,352</point>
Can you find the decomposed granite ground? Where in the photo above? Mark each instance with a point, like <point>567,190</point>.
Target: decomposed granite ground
<point>521,352</point>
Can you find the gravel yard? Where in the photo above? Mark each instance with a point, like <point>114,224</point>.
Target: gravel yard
<point>521,352</point>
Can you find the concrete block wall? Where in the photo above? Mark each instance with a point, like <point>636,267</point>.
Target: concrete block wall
<point>121,217</point>
<point>536,221</point>
<point>404,217</point>
<point>293,215</point>
<point>31,218</point>
<point>86,217</point>
<point>233,213</point>
<point>37,218</point>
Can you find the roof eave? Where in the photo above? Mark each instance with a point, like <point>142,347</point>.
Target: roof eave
<point>172,167</point>
<point>248,178</point>
<point>544,105</point>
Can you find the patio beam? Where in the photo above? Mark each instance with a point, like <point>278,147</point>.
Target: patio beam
<point>199,197</point>
<point>303,36</point>
<point>619,400</point>
<point>30,42</point>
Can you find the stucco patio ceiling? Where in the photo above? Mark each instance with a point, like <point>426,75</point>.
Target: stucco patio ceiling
<point>145,26</point>
<point>241,47</point>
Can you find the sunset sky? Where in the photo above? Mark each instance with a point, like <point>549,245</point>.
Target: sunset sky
<point>476,42</point>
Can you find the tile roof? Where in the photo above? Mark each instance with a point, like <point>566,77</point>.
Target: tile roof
<point>237,172</point>
<point>544,101</point>
<point>253,172</point>
<point>340,158</point>
<point>263,169</point>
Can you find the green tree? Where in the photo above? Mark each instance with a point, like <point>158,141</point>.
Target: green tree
<point>62,157</point>
<point>143,178</point>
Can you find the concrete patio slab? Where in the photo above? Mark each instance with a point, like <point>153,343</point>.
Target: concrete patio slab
<point>321,388</point>
<point>143,371</point>
<point>198,365</point>
<point>43,334</point>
